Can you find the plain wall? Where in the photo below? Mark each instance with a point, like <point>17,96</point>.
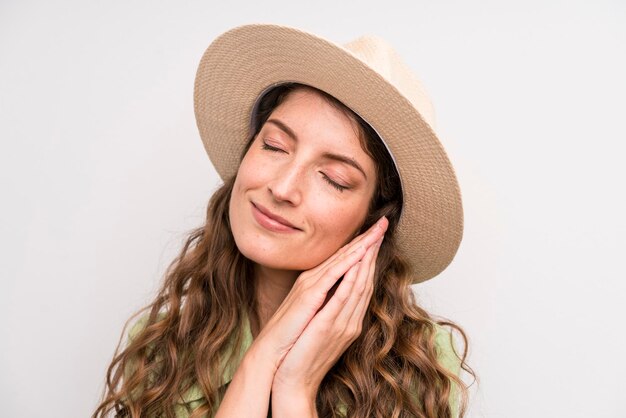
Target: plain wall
<point>103,173</point>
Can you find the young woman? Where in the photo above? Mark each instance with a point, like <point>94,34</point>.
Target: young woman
<point>294,298</point>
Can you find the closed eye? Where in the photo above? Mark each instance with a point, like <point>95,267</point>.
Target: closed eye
<point>268,147</point>
<point>334,184</point>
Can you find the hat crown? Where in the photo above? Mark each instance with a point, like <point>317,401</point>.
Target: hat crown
<point>381,57</point>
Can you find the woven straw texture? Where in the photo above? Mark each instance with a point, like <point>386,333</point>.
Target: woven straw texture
<point>369,77</point>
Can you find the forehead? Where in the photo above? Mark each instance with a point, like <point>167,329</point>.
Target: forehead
<point>313,118</point>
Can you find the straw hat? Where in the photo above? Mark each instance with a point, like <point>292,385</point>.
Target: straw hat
<point>369,77</point>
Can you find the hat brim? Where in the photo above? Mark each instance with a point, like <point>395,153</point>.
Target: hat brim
<point>243,62</point>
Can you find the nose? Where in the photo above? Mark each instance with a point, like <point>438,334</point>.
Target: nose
<point>286,185</point>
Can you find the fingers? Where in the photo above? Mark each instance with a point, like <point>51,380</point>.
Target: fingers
<point>347,307</point>
<point>354,310</point>
<point>369,237</point>
<point>365,239</point>
<point>302,305</point>
<point>319,280</point>
<point>328,273</point>
<point>359,311</point>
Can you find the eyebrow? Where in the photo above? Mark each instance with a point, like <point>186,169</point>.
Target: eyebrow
<point>337,157</point>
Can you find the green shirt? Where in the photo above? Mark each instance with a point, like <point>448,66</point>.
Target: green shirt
<point>194,397</point>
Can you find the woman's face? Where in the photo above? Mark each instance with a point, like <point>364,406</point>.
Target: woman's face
<point>304,186</point>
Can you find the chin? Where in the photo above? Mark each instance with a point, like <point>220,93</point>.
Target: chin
<point>268,256</point>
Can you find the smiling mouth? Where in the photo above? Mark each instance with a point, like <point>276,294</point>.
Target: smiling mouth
<point>270,221</point>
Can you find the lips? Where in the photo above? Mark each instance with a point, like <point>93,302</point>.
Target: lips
<point>271,220</point>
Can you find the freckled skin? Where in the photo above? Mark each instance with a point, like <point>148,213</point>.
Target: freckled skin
<point>291,183</point>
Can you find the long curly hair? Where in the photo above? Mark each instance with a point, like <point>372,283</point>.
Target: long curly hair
<point>391,370</point>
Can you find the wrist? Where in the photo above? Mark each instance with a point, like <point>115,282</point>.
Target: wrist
<point>291,402</point>
<point>257,369</point>
<point>291,390</point>
<point>260,355</point>
<point>249,390</point>
<point>296,384</point>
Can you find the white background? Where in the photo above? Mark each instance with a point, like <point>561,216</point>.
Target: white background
<point>103,172</point>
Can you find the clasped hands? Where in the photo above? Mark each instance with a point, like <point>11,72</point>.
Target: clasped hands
<point>304,340</point>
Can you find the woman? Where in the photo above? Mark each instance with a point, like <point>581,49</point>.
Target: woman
<point>293,299</point>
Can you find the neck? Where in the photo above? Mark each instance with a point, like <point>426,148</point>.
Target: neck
<point>272,286</point>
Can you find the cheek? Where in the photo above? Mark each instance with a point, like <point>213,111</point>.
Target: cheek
<point>254,171</point>
<point>252,243</point>
<point>335,227</point>
<point>245,173</point>
<point>237,199</point>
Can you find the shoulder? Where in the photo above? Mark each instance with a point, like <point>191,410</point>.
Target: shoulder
<point>189,400</point>
<point>140,324</point>
<point>448,358</point>
<point>137,327</point>
<point>446,349</point>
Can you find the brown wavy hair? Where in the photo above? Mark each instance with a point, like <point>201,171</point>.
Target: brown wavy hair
<point>391,370</point>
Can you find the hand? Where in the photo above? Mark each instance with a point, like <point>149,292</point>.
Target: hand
<point>329,333</point>
<point>255,377</point>
<point>308,294</point>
